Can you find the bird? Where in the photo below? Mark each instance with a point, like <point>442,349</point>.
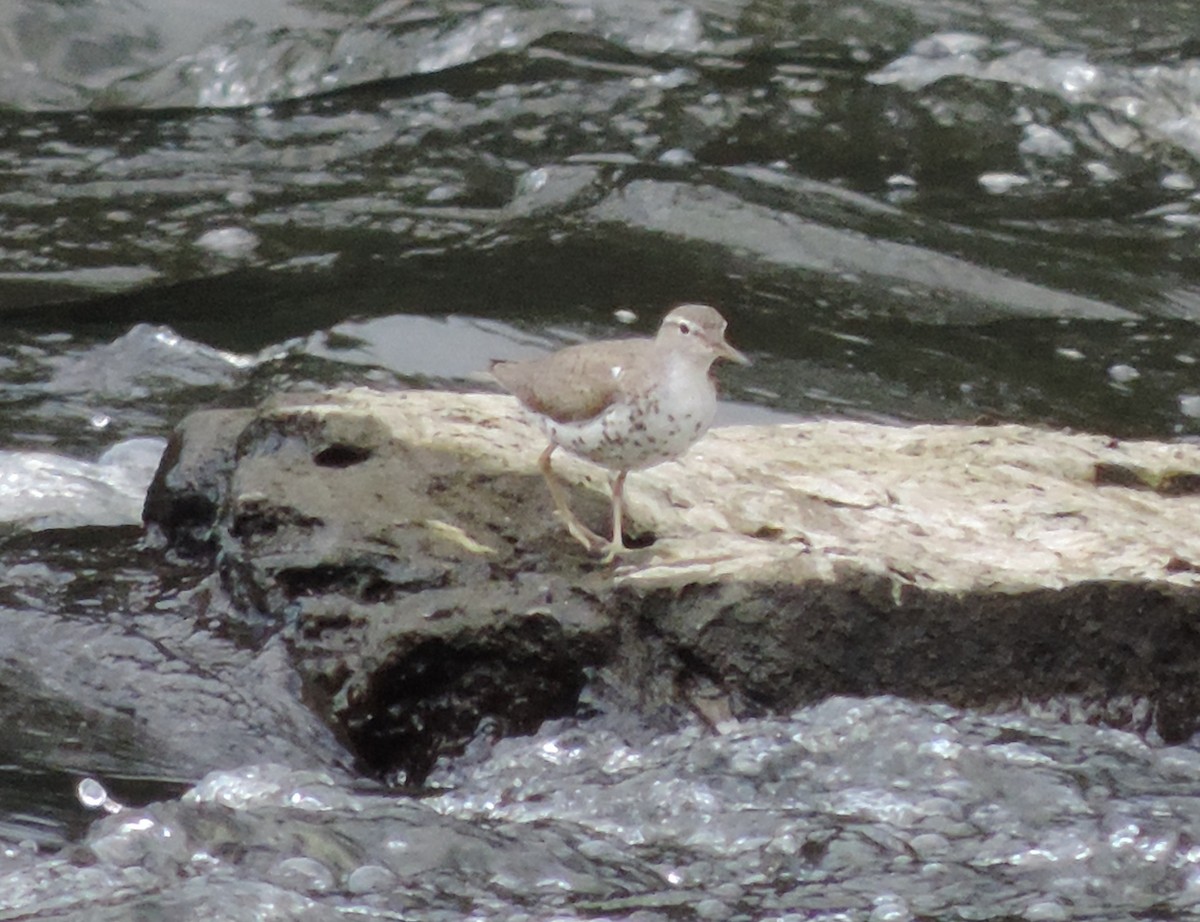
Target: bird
<point>623,404</point>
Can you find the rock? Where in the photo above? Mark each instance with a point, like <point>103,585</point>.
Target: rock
<point>149,697</point>
<point>406,546</point>
<point>189,487</point>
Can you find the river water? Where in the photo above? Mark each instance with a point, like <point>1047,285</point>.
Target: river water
<point>933,211</point>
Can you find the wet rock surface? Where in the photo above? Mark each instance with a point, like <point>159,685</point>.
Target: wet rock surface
<point>406,547</point>
<point>152,693</point>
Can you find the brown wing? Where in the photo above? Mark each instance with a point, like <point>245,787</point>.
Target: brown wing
<point>575,383</point>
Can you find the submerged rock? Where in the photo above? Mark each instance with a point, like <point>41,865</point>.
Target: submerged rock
<point>406,546</point>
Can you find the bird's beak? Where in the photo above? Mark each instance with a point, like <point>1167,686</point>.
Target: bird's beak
<point>726,351</point>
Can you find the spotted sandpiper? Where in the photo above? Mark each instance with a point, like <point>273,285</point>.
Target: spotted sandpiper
<point>625,404</point>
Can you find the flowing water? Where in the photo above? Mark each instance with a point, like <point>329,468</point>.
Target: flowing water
<point>907,210</point>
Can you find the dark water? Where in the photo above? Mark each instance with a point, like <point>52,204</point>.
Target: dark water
<point>912,210</point>
<point>907,210</point>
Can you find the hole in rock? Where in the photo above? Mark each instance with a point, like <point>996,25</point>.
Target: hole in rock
<point>341,455</point>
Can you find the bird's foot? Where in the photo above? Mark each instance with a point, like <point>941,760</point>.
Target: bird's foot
<point>584,535</point>
<point>612,550</point>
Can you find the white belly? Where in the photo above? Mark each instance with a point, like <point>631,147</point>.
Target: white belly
<point>659,426</point>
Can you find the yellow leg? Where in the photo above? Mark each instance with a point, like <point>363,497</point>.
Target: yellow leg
<point>580,532</point>
<point>617,488</point>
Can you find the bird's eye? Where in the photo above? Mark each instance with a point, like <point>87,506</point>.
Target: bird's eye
<point>684,327</point>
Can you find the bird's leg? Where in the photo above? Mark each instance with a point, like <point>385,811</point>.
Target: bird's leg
<point>617,487</point>
<point>580,532</point>
<point>624,502</point>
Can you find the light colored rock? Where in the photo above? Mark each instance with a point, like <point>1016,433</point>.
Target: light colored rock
<point>950,507</point>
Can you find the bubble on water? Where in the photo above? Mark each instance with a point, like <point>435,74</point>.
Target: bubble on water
<point>1040,141</point>
<point>370,878</point>
<point>1076,77</point>
<point>1178,182</point>
<point>1123,374</point>
<point>999,183</point>
<point>1101,172</point>
<point>1046,911</point>
<point>229,242</point>
<point>890,908</point>
<point>302,873</point>
<point>1189,405</point>
<point>533,180</point>
<point>91,794</point>
<point>677,156</point>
